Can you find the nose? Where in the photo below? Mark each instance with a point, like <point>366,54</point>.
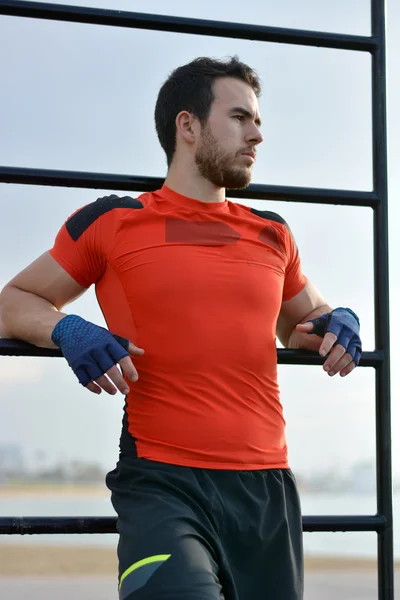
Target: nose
<point>254,135</point>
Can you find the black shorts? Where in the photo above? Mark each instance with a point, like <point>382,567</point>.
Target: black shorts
<point>206,534</point>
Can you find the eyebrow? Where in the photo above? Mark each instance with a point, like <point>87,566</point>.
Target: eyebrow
<point>246,113</point>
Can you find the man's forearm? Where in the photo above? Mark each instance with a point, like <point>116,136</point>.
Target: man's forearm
<point>27,317</point>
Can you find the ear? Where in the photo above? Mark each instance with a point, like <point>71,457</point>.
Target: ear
<point>186,126</point>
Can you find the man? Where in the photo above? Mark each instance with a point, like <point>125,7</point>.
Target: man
<point>207,505</point>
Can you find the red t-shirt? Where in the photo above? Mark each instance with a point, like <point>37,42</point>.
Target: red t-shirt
<point>199,286</point>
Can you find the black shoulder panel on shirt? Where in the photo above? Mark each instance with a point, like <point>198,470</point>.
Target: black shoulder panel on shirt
<point>271,216</point>
<point>80,221</point>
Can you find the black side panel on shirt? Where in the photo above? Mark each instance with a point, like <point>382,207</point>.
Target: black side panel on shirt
<point>80,221</point>
<point>271,216</point>
<point>127,443</point>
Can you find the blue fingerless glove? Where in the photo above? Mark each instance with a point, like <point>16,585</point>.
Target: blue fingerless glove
<point>345,324</point>
<point>90,350</point>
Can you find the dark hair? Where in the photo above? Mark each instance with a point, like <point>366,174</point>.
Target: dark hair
<point>190,88</point>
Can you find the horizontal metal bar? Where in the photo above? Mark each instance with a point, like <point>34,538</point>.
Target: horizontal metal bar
<point>345,523</point>
<point>10,347</point>
<point>119,18</point>
<point>109,181</point>
<point>69,525</point>
<point>53,525</point>
<point>304,357</point>
<point>285,357</point>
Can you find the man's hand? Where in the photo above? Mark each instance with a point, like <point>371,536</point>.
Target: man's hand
<point>93,353</point>
<point>339,331</point>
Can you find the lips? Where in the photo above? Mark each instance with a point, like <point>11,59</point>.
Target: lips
<point>250,154</point>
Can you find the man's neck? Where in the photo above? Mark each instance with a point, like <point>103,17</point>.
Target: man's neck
<point>192,185</point>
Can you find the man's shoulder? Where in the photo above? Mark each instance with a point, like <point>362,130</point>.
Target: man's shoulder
<point>269,215</point>
<point>81,220</point>
<point>262,214</point>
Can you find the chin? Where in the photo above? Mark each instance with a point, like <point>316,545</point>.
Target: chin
<point>239,180</point>
<point>238,185</point>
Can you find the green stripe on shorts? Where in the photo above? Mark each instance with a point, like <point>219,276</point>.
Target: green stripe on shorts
<point>138,574</point>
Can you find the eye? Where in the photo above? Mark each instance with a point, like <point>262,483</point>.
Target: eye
<point>240,118</point>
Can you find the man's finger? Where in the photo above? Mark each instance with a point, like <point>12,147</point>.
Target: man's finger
<point>348,369</point>
<point>115,376</point>
<point>93,387</point>
<point>305,327</point>
<point>128,345</point>
<point>334,357</point>
<point>327,343</point>
<point>135,350</point>
<point>128,368</point>
<point>106,385</point>
<point>340,364</point>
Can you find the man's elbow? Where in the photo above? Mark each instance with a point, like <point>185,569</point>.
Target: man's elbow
<point>283,335</point>
<point>4,309</point>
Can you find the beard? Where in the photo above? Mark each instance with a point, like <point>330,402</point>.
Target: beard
<point>216,165</point>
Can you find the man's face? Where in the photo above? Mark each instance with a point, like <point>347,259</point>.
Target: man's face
<point>227,146</point>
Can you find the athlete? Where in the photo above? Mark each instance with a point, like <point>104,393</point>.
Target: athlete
<point>194,290</point>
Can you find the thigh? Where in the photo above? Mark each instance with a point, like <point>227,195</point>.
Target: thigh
<point>263,540</point>
<point>164,551</point>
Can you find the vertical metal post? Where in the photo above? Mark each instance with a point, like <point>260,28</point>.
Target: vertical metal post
<point>383,522</point>
<point>381,280</point>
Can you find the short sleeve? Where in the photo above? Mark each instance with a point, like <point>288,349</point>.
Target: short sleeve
<point>294,278</point>
<point>83,244</point>
<point>79,247</point>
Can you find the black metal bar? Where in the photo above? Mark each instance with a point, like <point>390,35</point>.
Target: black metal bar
<point>68,525</point>
<point>344,523</point>
<point>54,525</point>
<point>119,18</point>
<point>304,357</point>
<point>109,181</point>
<point>381,266</point>
<point>285,357</point>
<point>10,347</point>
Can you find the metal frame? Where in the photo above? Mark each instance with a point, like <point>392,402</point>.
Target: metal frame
<point>377,199</point>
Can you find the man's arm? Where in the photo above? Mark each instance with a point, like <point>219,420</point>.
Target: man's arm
<point>293,331</point>
<point>30,310</point>
<point>30,303</point>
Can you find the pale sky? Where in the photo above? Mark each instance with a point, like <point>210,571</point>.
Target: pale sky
<point>81,97</point>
